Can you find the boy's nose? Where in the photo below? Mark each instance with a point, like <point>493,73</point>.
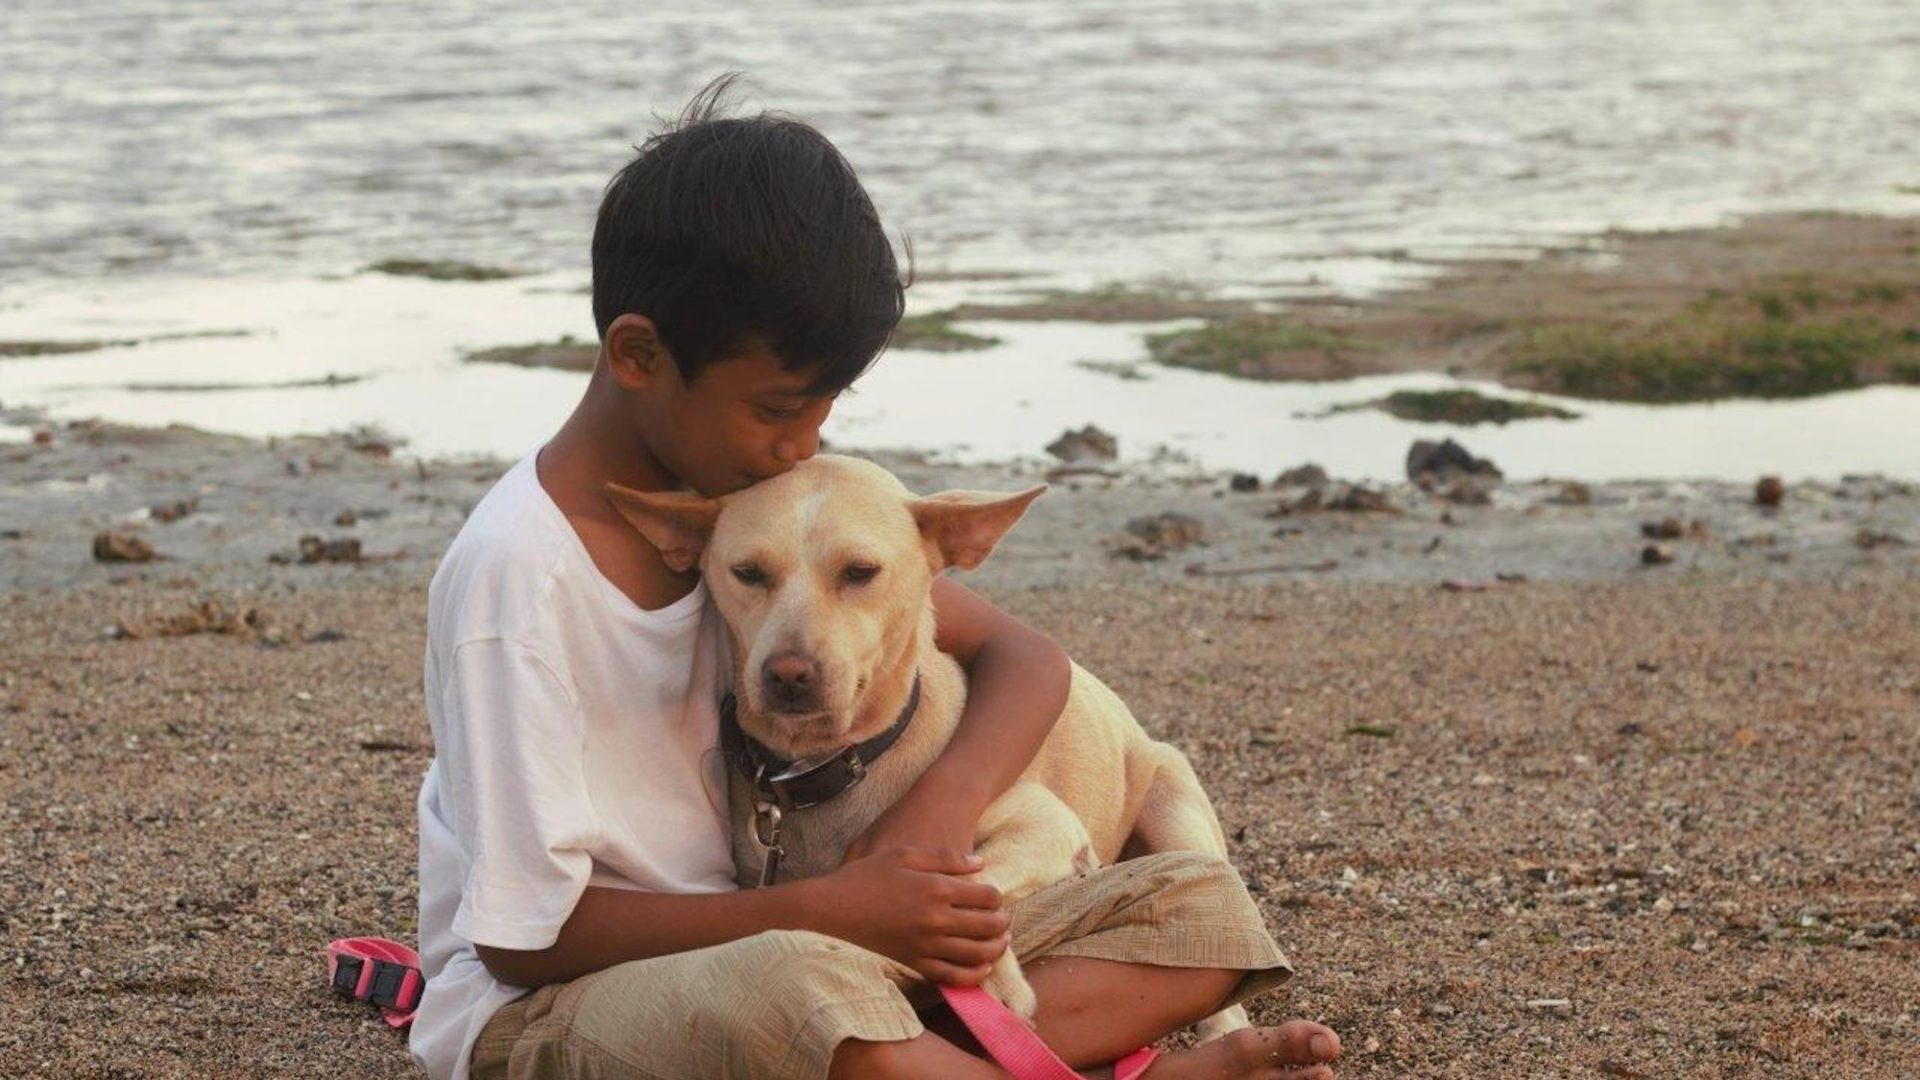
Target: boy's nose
<point>792,449</point>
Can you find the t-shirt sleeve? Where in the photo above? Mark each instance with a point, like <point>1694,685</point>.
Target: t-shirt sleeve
<point>516,784</point>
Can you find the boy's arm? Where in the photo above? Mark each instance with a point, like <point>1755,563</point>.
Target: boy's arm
<point>1017,682</point>
<point>914,906</point>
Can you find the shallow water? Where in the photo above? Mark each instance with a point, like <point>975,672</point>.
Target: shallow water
<point>182,169</point>
<point>387,352</point>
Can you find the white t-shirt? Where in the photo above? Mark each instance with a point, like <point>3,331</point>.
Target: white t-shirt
<point>576,743</point>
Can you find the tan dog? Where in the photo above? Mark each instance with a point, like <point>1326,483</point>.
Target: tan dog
<point>823,577</point>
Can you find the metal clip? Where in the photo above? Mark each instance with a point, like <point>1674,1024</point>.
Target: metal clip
<point>768,815</point>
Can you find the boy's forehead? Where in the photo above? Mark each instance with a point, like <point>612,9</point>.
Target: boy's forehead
<point>758,370</point>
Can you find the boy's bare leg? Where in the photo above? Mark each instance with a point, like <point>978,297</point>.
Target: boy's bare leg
<point>1282,1053</point>
<point>1093,1011</point>
<point>926,1055</point>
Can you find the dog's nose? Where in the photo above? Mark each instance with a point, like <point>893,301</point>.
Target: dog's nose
<point>791,680</point>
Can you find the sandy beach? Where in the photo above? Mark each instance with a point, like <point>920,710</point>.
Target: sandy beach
<point>1570,815</point>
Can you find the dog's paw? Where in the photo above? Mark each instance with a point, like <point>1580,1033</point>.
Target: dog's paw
<point>1085,860</point>
<point>1008,985</point>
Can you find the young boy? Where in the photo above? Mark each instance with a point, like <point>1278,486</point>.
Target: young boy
<point>578,915</point>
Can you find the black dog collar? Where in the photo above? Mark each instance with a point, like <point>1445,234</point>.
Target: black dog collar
<point>796,785</point>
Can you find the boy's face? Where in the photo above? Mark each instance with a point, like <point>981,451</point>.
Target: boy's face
<point>743,419</point>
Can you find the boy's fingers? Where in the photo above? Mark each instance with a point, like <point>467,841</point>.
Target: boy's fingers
<point>974,894</point>
<point>940,860</point>
<point>968,952</point>
<point>978,925</point>
<point>952,974</point>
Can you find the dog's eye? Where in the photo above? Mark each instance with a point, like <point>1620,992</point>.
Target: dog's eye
<point>750,574</point>
<point>859,573</point>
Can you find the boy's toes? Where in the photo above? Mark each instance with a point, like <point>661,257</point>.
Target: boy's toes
<point>1303,1042</point>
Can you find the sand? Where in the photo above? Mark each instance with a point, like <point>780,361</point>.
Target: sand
<point>1614,820</point>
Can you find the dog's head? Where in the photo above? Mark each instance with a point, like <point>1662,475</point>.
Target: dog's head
<point>822,576</point>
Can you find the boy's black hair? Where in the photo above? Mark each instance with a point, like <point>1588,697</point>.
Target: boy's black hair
<point>730,231</point>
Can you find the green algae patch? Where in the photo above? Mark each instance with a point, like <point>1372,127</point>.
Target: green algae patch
<point>1701,359</point>
<point>567,354</point>
<point>1464,407</point>
<point>55,348</point>
<point>935,332</point>
<point>61,348</point>
<point>1110,303</point>
<point>1261,347</point>
<point>440,270</point>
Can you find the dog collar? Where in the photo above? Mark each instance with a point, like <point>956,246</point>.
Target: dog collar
<point>796,785</point>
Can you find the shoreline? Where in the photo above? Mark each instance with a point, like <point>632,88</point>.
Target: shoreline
<point>248,504</point>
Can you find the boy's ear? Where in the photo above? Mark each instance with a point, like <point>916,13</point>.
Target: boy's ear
<point>635,354</point>
<point>677,523</point>
<point>961,528</point>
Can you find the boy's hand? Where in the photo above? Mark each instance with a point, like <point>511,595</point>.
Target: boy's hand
<point>916,906</point>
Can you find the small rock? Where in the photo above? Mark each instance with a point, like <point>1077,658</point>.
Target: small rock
<point>42,437</point>
<point>1154,537</point>
<point>121,547</point>
<point>346,519</point>
<point>166,513</point>
<point>1769,491</point>
<point>1575,494</point>
<point>1557,1006</point>
<point>1244,482</point>
<point>1656,554</point>
<point>1087,444</point>
<point>1868,539</point>
<point>343,550</point>
<point>1439,1010</point>
<point>1305,476</point>
<point>1434,465</point>
<point>1665,529</point>
<point>1361,500</point>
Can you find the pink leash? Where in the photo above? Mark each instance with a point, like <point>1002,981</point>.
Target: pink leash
<point>384,972</point>
<point>1013,1044</point>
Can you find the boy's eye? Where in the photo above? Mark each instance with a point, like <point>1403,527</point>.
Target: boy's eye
<point>750,574</point>
<point>773,413</point>
<point>859,573</point>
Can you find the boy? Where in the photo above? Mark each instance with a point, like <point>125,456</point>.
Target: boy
<point>573,825</point>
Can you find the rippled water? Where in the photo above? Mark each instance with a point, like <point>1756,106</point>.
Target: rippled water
<point>1203,139</point>
<point>171,168</point>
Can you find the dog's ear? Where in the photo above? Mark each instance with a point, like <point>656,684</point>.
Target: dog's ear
<point>678,523</point>
<point>962,527</point>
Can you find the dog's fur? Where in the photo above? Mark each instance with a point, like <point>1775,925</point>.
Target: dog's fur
<point>1099,789</point>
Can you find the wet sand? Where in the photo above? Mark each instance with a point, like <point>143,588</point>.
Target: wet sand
<point>1614,820</point>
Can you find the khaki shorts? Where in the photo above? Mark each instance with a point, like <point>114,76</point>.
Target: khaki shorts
<point>777,1004</point>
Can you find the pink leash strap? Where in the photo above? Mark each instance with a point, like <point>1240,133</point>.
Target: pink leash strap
<point>1011,1043</point>
<point>384,972</point>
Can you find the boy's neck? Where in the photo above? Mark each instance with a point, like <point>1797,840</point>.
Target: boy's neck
<point>597,445</point>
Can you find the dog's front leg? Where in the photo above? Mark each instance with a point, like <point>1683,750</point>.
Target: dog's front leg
<point>1028,839</point>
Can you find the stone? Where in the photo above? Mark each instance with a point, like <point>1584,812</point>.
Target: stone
<point>114,547</point>
<point>1087,444</point>
<point>1305,476</point>
<point>169,512</point>
<point>343,550</point>
<point>1769,491</point>
<point>1244,482</point>
<point>1656,554</point>
<point>1433,465</point>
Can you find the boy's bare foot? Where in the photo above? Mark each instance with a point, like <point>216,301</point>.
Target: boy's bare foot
<point>1296,1050</point>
